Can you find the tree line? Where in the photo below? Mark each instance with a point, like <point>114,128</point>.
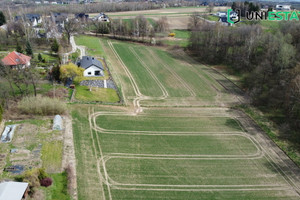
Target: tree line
<point>132,29</point>
<point>268,62</point>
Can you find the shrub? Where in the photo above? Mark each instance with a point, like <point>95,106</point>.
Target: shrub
<point>41,106</point>
<point>46,182</point>
<point>171,34</point>
<point>31,177</point>
<point>42,174</point>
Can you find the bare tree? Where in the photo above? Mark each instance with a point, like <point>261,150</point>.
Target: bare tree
<point>194,21</point>
<point>210,7</point>
<point>141,25</point>
<point>70,27</point>
<point>162,25</point>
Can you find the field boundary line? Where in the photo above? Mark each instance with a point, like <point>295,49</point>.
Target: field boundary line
<point>116,74</point>
<point>261,155</point>
<point>279,188</point>
<point>101,154</point>
<point>133,83</point>
<point>160,85</point>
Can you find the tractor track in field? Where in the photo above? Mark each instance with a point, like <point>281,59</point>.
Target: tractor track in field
<point>160,85</point>
<point>187,87</point>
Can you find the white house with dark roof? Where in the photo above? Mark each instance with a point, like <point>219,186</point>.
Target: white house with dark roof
<point>283,7</point>
<point>92,66</point>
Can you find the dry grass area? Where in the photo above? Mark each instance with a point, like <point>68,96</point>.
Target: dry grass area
<point>167,11</point>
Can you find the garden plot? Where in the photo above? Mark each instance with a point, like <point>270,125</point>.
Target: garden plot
<point>30,146</point>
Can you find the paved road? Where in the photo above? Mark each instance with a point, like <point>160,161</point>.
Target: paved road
<point>74,48</point>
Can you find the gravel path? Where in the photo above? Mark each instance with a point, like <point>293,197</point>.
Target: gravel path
<point>99,83</point>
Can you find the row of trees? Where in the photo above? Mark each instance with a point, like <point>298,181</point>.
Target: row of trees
<point>268,62</point>
<point>136,27</point>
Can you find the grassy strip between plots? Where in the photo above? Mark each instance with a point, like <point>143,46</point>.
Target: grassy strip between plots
<point>83,93</point>
<point>204,195</point>
<point>211,18</point>
<point>168,123</point>
<point>172,144</point>
<point>88,183</point>
<point>52,156</point>
<point>290,149</point>
<point>59,189</point>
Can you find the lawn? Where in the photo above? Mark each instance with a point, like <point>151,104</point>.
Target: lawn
<point>182,34</point>
<point>92,43</point>
<point>211,17</point>
<point>52,156</point>
<point>83,93</point>
<point>59,189</point>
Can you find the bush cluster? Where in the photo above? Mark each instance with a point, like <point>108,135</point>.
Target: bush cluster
<point>41,106</point>
<point>35,178</point>
<point>46,182</point>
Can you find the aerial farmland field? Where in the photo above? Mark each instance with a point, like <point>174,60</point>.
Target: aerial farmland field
<point>176,136</point>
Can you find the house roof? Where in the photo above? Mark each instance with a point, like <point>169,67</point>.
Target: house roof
<point>223,19</point>
<point>12,190</point>
<point>88,61</point>
<point>60,17</point>
<point>81,15</point>
<point>30,17</point>
<point>15,58</point>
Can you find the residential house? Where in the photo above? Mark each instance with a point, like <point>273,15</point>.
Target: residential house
<point>101,17</point>
<point>32,19</point>
<point>221,14</point>
<point>13,190</point>
<point>15,59</point>
<point>92,66</point>
<point>3,28</point>
<point>59,19</point>
<point>224,22</point>
<point>283,7</point>
<point>233,14</point>
<point>82,17</point>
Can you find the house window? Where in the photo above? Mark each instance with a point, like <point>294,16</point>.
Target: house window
<point>89,73</point>
<point>97,73</point>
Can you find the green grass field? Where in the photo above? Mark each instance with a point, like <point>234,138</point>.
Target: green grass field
<point>176,138</point>
<point>52,156</point>
<point>92,43</point>
<point>97,94</point>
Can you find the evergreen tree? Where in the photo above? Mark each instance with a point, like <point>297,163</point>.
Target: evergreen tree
<point>29,49</point>
<point>55,46</point>
<point>2,18</point>
<point>233,6</point>
<point>40,58</point>
<point>19,48</point>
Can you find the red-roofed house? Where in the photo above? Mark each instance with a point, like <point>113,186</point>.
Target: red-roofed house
<point>15,59</point>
